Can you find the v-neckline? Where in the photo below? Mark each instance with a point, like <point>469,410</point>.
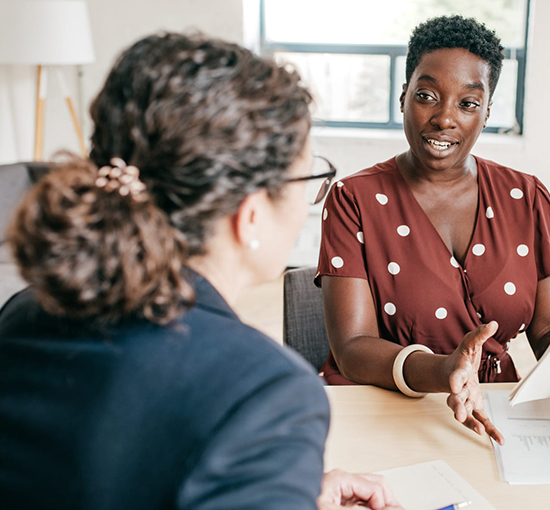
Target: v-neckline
<point>417,204</point>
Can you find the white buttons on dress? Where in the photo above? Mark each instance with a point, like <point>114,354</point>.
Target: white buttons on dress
<point>361,237</point>
<point>403,230</point>
<point>441,313</point>
<point>383,199</point>
<point>478,249</point>
<point>523,250</point>
<point>516,193</point>
<point>337,262</point>
<point>454,262</point>
<point>339,184</point>
<point>325,214</point>
<point>393,268</point>
<point>522,327</point>
<point>489,212</point>
<point>390,309</point>
<point>510,288</point>
<point>479,315</point>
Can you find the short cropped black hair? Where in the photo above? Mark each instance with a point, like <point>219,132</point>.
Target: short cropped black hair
<point>456,32</point>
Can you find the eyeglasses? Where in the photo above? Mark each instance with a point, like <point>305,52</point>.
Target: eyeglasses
<point>322,169</point>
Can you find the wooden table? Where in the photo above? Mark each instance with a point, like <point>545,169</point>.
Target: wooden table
<point>374,429</point>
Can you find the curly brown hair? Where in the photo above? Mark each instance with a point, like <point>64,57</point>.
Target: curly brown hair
<point>456,32</point>
<point>207,123</point>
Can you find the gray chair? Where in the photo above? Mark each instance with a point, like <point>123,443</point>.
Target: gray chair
<point>303,320</point>
<point>15,181</point>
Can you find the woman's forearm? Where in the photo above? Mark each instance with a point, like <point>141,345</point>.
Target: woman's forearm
<point>368,360</point>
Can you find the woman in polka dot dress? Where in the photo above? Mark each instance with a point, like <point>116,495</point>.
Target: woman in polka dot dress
<point>436,247</point>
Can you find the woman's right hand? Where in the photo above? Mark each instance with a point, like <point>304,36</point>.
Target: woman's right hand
<point>340,489</point>
<point>466,399</point>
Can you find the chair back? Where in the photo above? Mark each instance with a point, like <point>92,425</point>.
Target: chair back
<point>304,321</point>
<point>15,180</point>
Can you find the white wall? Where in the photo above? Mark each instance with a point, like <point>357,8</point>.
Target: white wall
<point>118,23</point>
<point>115,25</point>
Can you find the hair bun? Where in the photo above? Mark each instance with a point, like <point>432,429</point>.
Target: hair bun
<point>95,254</point>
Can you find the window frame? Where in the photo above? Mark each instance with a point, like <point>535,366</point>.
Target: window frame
<point>394,51</point>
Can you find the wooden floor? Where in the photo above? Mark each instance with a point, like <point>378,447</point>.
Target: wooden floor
<point>262,307</point>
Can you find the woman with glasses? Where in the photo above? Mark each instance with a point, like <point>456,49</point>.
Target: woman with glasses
<point>433,261</point>
<point>126,379</point>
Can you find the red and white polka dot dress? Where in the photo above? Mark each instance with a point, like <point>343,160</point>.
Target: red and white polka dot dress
<point>373,228</point>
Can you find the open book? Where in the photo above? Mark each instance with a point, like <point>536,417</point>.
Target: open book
<point>536,385</point>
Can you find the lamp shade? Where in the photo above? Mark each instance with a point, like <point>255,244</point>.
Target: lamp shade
<point>46,32</point>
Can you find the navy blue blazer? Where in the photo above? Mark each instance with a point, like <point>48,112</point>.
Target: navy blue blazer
<point>207,414</point>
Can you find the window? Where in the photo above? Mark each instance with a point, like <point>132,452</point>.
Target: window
<point>351,53</point>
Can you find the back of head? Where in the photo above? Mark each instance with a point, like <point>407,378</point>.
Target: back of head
<point>206,123</point>
<point>455,32</point>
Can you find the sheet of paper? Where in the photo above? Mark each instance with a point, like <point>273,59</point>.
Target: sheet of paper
<point>533,410</point>
<point>432,485</point>
<point>536,385</point>
<point>525,457</point>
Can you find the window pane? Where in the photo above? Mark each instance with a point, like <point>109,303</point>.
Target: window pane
<point>386,22</point>
<point>398,88</point>
<point>351,88</point>
<point>503,111</point>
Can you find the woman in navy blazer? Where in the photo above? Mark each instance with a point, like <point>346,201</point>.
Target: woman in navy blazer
<point>126,379</point>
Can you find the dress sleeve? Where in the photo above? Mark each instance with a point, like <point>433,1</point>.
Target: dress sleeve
<point>542,230</point>
<point>267,454</point>
<point>342,244</point>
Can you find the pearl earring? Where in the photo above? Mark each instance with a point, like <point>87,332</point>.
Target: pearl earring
<point>254,244</point>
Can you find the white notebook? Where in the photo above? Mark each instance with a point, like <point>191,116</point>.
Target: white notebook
<point>524,459</point>
<point>432,485</point>
<point>536,385</point>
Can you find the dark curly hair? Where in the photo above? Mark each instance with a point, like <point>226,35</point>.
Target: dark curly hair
<point>207,123</point>
<point>456,32</point>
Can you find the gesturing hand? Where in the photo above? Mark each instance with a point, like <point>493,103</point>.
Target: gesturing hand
<point>465,399</point>
<point>357,491</point>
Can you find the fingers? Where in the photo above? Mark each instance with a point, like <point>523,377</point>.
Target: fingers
<point>362,506</point>
<point>467,356</point>
<point>489,426</point>
<point>389,498</point>
<point>465,399</point>
<point>457,403</point>
<point>370,490</point>
<point>465,413</point>
<point>459,378</point>
<point>476,338</point>
<point>473,424</point>
<point>473,416</point>
<point>339,489</point>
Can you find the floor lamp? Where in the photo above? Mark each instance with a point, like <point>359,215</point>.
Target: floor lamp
<point>48,34</point>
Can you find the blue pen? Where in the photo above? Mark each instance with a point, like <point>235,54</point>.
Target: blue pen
<point>456,506</point>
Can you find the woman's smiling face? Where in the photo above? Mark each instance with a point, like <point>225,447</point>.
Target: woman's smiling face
<point>445,107</point>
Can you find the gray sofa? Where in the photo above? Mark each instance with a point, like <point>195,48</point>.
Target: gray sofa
<point>15,180</point>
